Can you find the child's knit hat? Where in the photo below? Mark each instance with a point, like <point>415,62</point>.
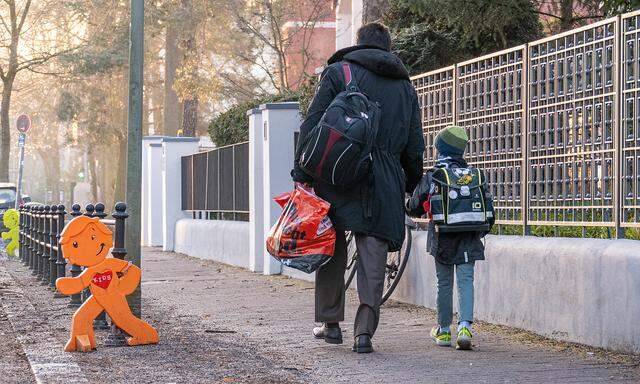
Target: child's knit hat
<point>451,141</point>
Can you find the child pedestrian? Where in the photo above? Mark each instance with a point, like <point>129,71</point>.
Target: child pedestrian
<point>455,198</point>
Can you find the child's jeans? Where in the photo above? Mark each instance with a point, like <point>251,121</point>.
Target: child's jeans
<point>464,277</point>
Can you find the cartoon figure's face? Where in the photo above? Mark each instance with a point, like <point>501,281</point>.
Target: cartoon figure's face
<point>11,218</point>
<point>85,241</point>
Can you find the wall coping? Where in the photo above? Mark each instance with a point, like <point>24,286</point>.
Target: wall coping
<point>286,105</point>
<point>254,111</point>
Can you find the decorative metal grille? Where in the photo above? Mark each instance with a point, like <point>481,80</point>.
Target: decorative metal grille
<point>556,120</point>
<point>216,183</point>
<point>630,116</point>
<point>571,136</point>
<point>435,93</point>
<point>490,106</point>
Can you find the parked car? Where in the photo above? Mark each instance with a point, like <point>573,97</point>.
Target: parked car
<point>7,199</point>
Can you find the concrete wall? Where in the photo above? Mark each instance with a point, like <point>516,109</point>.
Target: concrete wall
<point>223,241</point>
<point>579,290</point>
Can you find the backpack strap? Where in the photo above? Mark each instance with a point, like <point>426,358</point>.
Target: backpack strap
<point>350,83</point>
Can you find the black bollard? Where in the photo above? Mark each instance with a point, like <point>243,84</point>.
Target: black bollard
<point>88,211</point>
<point>60,262</point>
<point>24,219</point>
<point>32,225</point>
<point>117,338</point>
<point>20,231</point>
<point>76,299</point>
<point>101,321</point>
<point>53,246</point>
<point>38,239</point>
<point>44,239</point>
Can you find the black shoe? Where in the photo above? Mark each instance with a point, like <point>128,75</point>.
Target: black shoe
<point>332,335</point>
<point>362,344</point>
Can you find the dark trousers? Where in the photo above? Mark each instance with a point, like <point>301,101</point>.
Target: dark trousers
<point>372,259</point>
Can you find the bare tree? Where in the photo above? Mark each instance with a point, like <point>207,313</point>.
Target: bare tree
<point>373,10</point>
<point>20,23</point>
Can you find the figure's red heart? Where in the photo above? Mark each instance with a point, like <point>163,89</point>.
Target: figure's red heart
<point>103,279</point>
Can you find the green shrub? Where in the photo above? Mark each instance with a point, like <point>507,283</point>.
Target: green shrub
<point>232,126</point>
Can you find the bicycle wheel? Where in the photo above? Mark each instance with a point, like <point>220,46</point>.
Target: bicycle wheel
<point>396,262</point>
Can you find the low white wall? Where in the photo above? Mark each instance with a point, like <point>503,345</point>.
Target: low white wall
<point>219,240</point>
<point>578,290</point>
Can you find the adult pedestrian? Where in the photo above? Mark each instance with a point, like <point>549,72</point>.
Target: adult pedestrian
<point>373,209</point>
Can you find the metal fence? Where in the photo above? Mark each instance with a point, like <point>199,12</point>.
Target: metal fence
<point>554,123</point>
<point>215,184</point>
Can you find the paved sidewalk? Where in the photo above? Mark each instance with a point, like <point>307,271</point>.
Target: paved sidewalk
<point>223,324</point>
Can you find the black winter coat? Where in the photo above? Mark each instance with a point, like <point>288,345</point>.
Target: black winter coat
<point>398,156</point>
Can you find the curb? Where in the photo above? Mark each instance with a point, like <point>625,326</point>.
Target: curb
<point>44,352</point>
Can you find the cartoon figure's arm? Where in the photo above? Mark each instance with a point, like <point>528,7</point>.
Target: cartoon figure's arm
<point>5,235</point>
<point>130,275</point>
<point>71,285</point>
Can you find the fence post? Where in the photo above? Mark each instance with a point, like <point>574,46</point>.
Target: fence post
<point>279,122</point>
<point>618,136</point>
<point>53,231</point>
<point>76,299</point>
<point>39,248</point>
<point>100,322</point>
<point>37,254</point>
<point>32,224</point>
<point>60,262</point>
<point>116,336</point>
<point>524,128</point>
<point>256,199</point>
<point>44,239</point>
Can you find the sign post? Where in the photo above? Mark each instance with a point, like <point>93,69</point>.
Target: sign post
<point>23,123</point>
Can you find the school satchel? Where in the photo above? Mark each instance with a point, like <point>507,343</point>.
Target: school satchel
<point>458,202</point>
<point>338,150</point>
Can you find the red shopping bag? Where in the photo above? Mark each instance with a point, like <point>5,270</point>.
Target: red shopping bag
<point>303,237</point>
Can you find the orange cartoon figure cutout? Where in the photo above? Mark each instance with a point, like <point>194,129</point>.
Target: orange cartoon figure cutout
<point>87,242</point>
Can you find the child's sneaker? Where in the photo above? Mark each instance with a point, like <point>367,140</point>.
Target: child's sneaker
<point>464,339</point>
<point>442,338</point>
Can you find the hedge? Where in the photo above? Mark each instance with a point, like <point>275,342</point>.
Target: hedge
<point>232,126</point>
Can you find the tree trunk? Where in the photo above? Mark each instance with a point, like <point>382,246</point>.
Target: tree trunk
<point>94,176</point>
<point>190,117</point>
<point>566,15</point>
<point>5,138</point>
<point>373,10</point>
<point>156,110</point>
<point>172,107</point>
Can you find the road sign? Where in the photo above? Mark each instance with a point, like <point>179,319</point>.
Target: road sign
<point>23,123</point>
<point>21,139</point>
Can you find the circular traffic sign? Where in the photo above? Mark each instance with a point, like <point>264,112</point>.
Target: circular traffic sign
<point>23,123</point>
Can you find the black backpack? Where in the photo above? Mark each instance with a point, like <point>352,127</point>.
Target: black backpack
<point>338,150</point>
<point>459,201</point>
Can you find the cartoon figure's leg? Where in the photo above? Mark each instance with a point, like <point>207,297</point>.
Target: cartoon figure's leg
<point>118,310</point>
<point>82,336</point>
<point>11,248</point>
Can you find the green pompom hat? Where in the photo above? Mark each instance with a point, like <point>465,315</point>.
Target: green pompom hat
<point>451,141</point>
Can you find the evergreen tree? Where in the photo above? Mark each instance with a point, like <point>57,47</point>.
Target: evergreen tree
<point>429,34</point>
